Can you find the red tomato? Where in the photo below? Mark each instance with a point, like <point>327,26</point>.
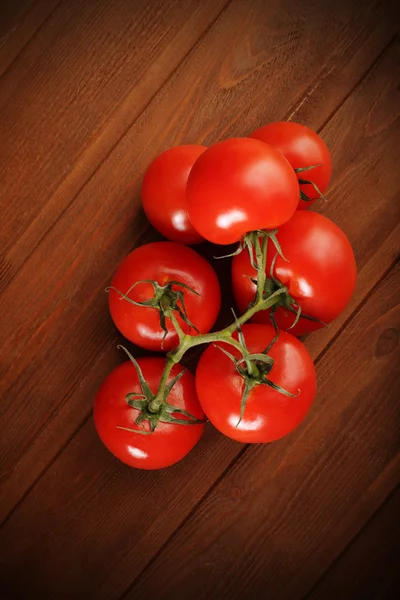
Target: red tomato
<point>164,193</point>
<point>240,185</point>
<point>163,262</point>
<point>169,442</point>
<point>269,414</point>
<point>320,275</point>
<point>303,148</point>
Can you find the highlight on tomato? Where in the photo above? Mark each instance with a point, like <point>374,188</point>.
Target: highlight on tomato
<point>319,274</point>
<point>264,398</point>
<point>158,283</point>
<point>307,153</point>
<point>131,432</point>
<point>240,185</point>
<point>163,193</point>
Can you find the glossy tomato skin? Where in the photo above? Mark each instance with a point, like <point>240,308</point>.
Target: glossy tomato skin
<point>320,275</point>
<point>164,193</point>
<point>269,415</point>
<point>169,443</point>
<point>240,185</point>
<point>302,147</point>
<point>163,262</point>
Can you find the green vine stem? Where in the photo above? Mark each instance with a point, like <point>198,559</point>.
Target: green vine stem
<point>225,335</point>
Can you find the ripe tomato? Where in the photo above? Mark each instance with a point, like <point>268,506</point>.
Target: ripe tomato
<point>303,148</point>
<point>169,442</point>
<point>269,414</point>
<point>164,193</point>
<point>320,275</point>
<point>240,185</point>
<point>163,262</point>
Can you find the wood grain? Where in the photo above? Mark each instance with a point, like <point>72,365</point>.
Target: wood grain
<point>369,567</point>
<point>284,511</point>
<point>87,99</point>
<point>74,122</point>
<point>19,22</point>
<point>169,44</point>
<point>107,510</point>
<point>62,309</point>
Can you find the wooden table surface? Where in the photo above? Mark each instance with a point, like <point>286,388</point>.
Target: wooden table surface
<point>90,93</point>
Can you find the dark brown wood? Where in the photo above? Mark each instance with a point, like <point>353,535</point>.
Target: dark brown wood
<point>284,511</point>
<point>369,567</point>
<point>63,306</point>
<point>19,21</point>
<point>87,98</point>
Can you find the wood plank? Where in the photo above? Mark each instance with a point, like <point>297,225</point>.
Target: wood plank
<point>369,568</point>
<point>352,55</point>
<point>19,21</point>
<point>78,555</point>
<point>316,476</point>
<point>348,54</point>
<point>169,34</point>
<point>56,103</point>
<point>285,511</point>
<point>90,489</point>
<point>66,311</point>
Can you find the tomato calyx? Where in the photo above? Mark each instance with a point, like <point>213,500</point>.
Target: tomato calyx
<point>257,252</point>
<point>166,300</point>
<point>164,413</point>
<point>273,287</point>
<point>254,370</point>
<point>303,195</point>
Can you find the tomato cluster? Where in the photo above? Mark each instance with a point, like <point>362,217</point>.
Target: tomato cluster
<point>293,272</point>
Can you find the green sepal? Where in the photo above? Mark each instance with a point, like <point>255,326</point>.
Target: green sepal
<point>239,330</point>
<point>166,416</point>
<point>296,319</point>
<point>258,357</point>
<point>143,383</point>
<point>273,341</point>
<point>142,401</point>
<point>302,169</point>
<point>279,389</point>
<point>141,431</point>
<point>171,384</point>
<point>186,287</point>
<point>303,196</point>
<point>316,188</point>
<point>248,242</point>
<point>228,354</point>
<point>274,239</point>
<point>238,250</point>
<point>248,386</point>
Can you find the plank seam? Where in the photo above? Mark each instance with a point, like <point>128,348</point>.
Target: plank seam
<point>352,541</point>
<point>247,446</point>
<point>356,311</point>
<point>320,355</point>
<point>68,441</point>
<point>364,76</point>
<point>318,358</point>
<point>209,26</point>
<point>185,520</point>
<point>28,41</point>
<point>112,148</point>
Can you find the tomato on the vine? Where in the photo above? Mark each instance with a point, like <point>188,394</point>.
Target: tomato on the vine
<point>320,273</point>
<point>114,417</point>
<point>269,414</point>
<point>240,185</point>
<point>185,281</point>
<point>303,148</point>
<point>164,193</point>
